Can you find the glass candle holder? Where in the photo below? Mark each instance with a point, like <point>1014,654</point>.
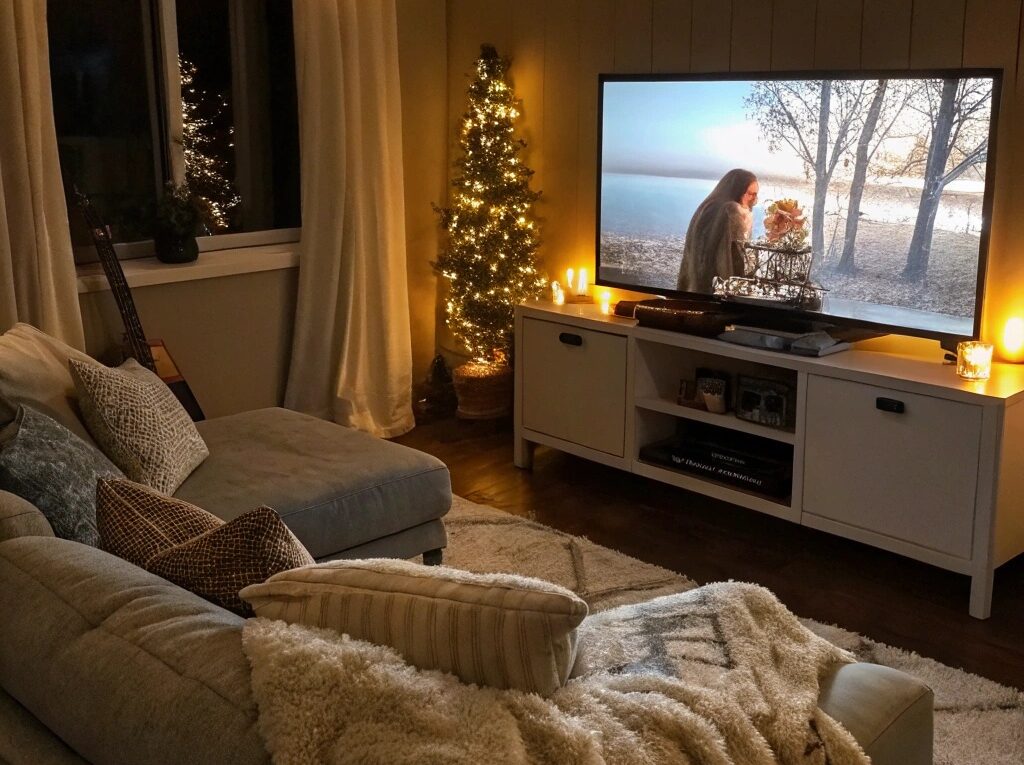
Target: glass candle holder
<point>974,360</point>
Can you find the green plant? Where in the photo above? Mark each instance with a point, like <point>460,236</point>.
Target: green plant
<point>179,212</point>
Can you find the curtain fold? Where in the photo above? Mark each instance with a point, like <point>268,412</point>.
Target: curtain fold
<point>38,284</point>
<point>351,355</point>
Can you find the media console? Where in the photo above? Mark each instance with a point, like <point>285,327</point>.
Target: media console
<point>892,451</point>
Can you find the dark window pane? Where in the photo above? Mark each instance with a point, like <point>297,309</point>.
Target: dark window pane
<point>102,101</point>
<point>239,111</point>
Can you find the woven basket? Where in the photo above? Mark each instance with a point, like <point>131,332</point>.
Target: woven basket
<point>484,390</point>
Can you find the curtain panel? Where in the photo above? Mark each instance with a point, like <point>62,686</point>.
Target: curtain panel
<point>351,357</point>
<point>38,284</point>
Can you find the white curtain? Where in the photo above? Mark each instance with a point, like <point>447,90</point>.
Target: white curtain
<point>37,269</point>
<point>351,356</point>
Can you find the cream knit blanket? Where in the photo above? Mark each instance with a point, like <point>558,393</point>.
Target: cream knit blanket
<point>723,674</point>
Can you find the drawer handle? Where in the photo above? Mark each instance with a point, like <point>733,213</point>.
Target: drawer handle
<point>571,339</point>
<point>890,405</point>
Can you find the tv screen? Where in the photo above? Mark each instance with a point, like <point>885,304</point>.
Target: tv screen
<point>861,197</point>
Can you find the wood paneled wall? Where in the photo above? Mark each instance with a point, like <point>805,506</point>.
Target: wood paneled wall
<point>558,47</point>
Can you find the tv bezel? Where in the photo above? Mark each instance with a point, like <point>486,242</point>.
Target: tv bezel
<point>784,312</point>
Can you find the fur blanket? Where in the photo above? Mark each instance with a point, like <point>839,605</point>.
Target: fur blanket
<point>722,674</point>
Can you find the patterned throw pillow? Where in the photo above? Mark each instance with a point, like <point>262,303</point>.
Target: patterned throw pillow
<point>192,548</point>
<point>138,423</point>
<point>499,630</point>
<point>48,465</point>
<point>136,523</point>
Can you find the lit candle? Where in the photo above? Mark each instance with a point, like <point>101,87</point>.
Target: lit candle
<point>606,302</point>
<point>568,279</point>
<point>974,360</point>
<point>1013,336</point>
<point>582,288</point>
<point>555,289</point>
<point>559,297</point>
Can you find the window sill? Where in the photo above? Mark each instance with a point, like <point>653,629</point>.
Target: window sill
<point>146,272</point>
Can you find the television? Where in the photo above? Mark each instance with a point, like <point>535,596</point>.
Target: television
<point>852,198</point>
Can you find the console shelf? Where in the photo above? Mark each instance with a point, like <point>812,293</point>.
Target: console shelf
<point>941,480</point>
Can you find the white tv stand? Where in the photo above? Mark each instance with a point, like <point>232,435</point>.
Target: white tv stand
<point>942,482</point>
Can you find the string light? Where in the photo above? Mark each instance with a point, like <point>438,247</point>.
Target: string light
<point>490,257</point>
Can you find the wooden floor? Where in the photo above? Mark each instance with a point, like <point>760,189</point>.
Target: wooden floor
<point>884,596</point>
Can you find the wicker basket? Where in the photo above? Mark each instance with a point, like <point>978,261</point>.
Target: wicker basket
<point>484,390</point>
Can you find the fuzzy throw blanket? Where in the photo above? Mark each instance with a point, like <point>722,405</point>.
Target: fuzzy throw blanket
<point>723,674</point>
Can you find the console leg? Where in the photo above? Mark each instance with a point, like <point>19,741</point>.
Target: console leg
<point>981,595</point>
<point>433,557</point>
<point>522,454</point>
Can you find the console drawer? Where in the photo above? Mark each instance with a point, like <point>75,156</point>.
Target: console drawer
<point>894,463</point>
<point>574,384</point>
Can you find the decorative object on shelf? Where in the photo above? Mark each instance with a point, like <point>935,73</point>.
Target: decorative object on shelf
<point>974,360</point>
<point>785,224</point>
<point>179,214</point>
<point>1013,339</point>
<point>689,395</point>
<point>766,402</point>
<point>577,286</point>
<point>606,303</point>
<point>694,317</point>
<point>484,390</point>
<point>489,259</point>
<point>557,294</point>
<point>435,396</point>
<point>712,390</point>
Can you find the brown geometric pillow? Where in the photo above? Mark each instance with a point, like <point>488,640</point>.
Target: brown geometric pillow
<point>217,564</point>
<point>192,548</point>
<point>135,522</point>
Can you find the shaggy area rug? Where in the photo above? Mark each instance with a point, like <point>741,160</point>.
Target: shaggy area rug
<point>977,721</point>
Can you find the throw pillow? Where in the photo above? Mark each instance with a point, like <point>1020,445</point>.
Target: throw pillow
<point>192,548</point>
<point>34,372</point>
<point>136,523</point>
<point>138,423</point>
<point>492,629</point>
<point>236,554</point>
<point>45,463</point>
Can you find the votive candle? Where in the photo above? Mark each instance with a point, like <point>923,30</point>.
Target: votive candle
<point>974,360</point>
<point>606,302</point>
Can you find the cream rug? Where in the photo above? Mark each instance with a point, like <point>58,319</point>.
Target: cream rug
<point>977,721</point>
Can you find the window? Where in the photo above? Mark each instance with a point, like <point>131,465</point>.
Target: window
<point>146,91</point>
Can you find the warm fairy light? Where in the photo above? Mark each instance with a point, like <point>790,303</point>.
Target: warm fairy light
<point>1013,336</point>
<point>606,302</point>
<point>974,360</point>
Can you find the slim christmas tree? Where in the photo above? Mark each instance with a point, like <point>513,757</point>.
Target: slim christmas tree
<point>489,260</point>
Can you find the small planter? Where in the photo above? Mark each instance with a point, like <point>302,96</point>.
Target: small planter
<point>484,390</point>
<point>175,249</point>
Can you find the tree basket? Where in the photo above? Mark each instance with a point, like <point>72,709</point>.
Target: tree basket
<point>484,390</point>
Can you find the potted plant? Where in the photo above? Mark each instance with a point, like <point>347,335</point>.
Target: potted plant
<point>179,215</point>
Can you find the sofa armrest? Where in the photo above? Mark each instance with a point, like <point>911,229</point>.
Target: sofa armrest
<point>20,518</point>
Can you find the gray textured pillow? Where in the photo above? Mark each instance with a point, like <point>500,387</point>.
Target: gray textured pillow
<point>138,423</point>
<point>48,465</point>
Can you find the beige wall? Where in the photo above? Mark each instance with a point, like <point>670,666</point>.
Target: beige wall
<point>230,336</point>
<point>558,48</point>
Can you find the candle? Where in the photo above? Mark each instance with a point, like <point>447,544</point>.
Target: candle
<point>1013,336</point>
<point>559,297</point>
<point>569,279</point>
<point>974,360</point>
<point>555,289</point>
<point>581,289</point>
<point>606,302</point>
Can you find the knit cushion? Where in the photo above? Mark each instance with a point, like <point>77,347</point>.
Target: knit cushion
<point>138,423</point>
<point>48,465</point>
<point>136,523</point>
<point>190,547</point>
<point>492,629</point>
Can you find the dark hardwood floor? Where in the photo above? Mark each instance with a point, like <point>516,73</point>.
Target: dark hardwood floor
<point>884,596</point>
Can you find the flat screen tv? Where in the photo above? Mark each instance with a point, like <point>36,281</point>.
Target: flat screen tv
<point>858,198</point>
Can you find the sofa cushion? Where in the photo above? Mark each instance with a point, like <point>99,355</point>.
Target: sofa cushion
<point>34,371</point>
<point>48,465</point>
<point>499,630</point>
<point>138,423</point>
<point>136,523</point>
<point>119,663</point>
<point>335,487</point>
<point>20,518</point>
<point>244,551</point>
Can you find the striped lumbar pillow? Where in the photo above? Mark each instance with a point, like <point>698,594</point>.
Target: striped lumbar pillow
<point>492,629</point>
